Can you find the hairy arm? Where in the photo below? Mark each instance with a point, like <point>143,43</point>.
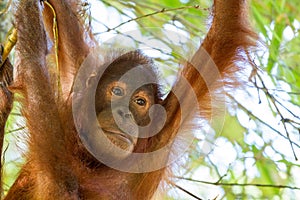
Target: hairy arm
<point>213,65</point>
<point>48,157</point>
<point>70,39</point>
<point>6,101</point>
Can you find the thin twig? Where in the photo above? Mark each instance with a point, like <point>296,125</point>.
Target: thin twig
<point>274,102</point>
<point>164,10</point>
<point>260,120</point>
<point>186,191</point>
<point>2,12</point>
<point>218,183</point>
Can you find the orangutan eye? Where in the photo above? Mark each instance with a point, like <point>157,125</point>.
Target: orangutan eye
<point>140,101</point>
<point>117,91</point>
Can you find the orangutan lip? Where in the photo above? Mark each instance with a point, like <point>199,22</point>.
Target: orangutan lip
<point>120,135</point>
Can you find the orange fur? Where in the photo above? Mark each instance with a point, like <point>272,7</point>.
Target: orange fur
<point>6,78</point>
<point>56,166</point>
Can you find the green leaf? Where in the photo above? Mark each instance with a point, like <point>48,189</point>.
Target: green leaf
<point>233,130</point>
